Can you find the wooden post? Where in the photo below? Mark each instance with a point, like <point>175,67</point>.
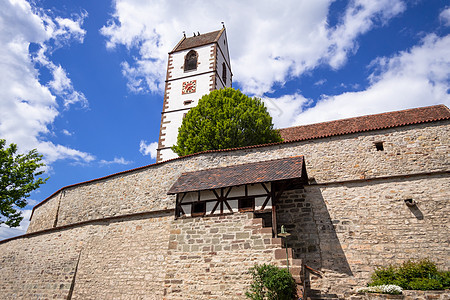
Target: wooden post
<point>274,212</point>
<point>177,209</point>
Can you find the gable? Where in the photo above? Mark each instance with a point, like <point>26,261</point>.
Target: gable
<point>197,41</point>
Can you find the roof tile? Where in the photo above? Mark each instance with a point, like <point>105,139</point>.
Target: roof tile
<point>366,123</point>
<point>199,40</point>
<point>265,171</point>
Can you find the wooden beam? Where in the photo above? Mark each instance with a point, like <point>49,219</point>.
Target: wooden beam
<point>275,198</point>
<point>228,205</point>
<point>265,202</point>
<point>274,213</point>
<point>264,186</point>
<point>215,194</point>
<point>228,192</point>
<point>215,207</point>
<point>177,207</point>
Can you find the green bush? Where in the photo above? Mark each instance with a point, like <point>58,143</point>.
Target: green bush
<point>445,278</point>
<point>412,275</point>
<point>270,283</point>
<point>425,284</point>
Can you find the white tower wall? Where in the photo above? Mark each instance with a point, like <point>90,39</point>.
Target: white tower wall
<point>212,56</point>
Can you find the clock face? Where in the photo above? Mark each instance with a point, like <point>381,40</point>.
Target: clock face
<point>189,87</point>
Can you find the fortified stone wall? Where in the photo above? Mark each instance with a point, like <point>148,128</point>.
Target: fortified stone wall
<point>40,267</point>
<point>47,216</point>
<point>347,229</point>
<point>122,258</point>
<point>146,256</point>
<point>409,149</point>
<point>351,218</point>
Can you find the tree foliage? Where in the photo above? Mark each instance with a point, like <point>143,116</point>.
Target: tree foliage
<point>225,119</point>
<point>18,174</point>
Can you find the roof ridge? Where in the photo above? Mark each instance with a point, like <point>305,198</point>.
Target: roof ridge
<point>198,40</point>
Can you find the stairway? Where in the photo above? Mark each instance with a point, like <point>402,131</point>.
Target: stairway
<point>295,265</point>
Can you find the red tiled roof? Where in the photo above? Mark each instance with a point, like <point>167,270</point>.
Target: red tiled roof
<point>199,40</point>
<point>366,123</point>
<point>264,171</point>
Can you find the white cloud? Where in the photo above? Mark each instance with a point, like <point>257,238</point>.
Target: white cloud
<point>28,106</point>
<point>414,78</point>
<point>270,41</point>
<point>71,29</point>
<point>148,149</point>
<point>320,82</point>
<point>444,16</point>
<point>62,86</point>
<point>66,132</point>
<point>285,109</point>
<point>360,16</point>
<point>119,161</point>
<point>7,232</point>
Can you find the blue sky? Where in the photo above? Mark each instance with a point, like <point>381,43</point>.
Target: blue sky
<point>82,81</point>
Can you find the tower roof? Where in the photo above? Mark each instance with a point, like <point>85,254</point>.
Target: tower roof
<point>199,40</point>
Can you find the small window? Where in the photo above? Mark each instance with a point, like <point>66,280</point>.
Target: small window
<point>190,62</point>
<point>246,204</point>
<point>198,209</point>
<point>224,73</point>
<point>379,146</point>
<point>187,102</point>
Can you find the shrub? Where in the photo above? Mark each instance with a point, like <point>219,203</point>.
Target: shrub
<point>270,282</point>
<point>424,284</point>
<point>412,275</point>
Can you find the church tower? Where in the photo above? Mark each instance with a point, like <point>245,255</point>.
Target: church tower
<point>196,66</point>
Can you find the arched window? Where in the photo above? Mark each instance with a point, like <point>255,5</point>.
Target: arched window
<point>224,73</point>
<point>190,62</point>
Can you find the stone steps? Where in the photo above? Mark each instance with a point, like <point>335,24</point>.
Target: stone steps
<point>295,265</point>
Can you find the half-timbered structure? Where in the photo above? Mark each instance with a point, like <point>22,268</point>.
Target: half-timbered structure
<point>252,187</point>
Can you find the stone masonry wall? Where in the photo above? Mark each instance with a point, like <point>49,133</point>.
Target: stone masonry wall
<point>149,256</point>
<point>351,218</point>
<point>209,257</point>
<point>346,230</point>
<point>40,267</point>
<point>112,259</point>
<point>47,216</point>
<point>124,260</point>
<point>409,149</point>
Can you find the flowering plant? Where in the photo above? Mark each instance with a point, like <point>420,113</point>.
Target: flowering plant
<point>382,289</point>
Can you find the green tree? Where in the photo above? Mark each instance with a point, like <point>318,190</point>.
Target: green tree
<point>225,119</point>
<point>18,174</point>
